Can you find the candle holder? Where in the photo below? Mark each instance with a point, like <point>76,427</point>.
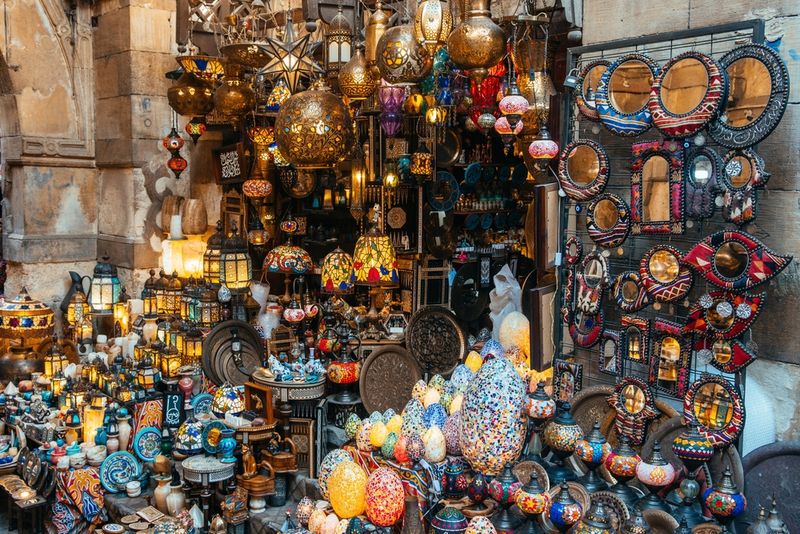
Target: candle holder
<point>532,500</point>
<point>503,489</point>
<point>655,473</point>
<point>593,451</point>
<point>725,501</point>
<point>561,435</point>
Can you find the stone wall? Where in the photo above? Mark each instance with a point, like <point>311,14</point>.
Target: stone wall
<point>771,380</point>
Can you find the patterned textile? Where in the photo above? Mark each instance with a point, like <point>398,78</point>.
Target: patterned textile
<point>79,502</point>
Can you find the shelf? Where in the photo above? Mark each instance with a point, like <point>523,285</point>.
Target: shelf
<point>481,212</point>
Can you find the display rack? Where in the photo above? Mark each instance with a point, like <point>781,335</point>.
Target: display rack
<point>713,41</point>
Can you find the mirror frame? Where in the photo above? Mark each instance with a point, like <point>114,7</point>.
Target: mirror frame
<point>672,151</point>
<point>589,112</point>
<point>755,132</point>
<point>741,354</point>
<point>578,192</point>
<point>615,121</point>
<point>643,326</point>
<point>562,367</point>
<point>661,330</point>
<point>746,309</point>
<point>614,236</point>
<point>727,435</point>
<point>588,297</point>
<point>632,425</point>
<point>700,200</point>
<point>740,204</point>
<point>642,299</point>
<point>669,291</point>
<point>587,339</point>
<point>572,259</point>
<point>678,126</point>
<point>610,336</point>
<point>763,263</point>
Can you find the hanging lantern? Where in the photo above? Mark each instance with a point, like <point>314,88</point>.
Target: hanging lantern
<point>513,105</point>
<point>234,97</point>
<point>400,58</point>
<point>105,288</point>
<point>280,93</point>
<point>170,361</point>
<point>486,122</point>
<point>376,27</point>
<point>257,235</point>
<point>537,87</point>
<point>177,164</point>
<point>422,161</point>
<point>507,134</point>
<point>477,43</point>
<point>356,80</point>
<point>436,116</point>
<point>391,97</point>
<point>258,188</point>
<point>374,261</point>
<point>314,128</point>
<point>432,24</point>
<point>195,128</point>
<point>191,96</point>
<point>208,68</point>
<point>235,265</point>
<point>543,149</point>
<point>338,43</point>
<point>212,254</point>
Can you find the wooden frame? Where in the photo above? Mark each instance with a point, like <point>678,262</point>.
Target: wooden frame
<point>254,393</point>
<point>542,324</point>
<point>672,152</point>
<point>230,164</point>
<point>303,435</point>
<point>546,198</point>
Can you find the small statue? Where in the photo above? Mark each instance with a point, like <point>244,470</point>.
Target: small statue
<point>248,462</point>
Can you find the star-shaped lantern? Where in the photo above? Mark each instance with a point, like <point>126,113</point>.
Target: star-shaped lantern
<point>292,57</point>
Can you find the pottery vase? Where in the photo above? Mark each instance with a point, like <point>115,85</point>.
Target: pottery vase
<point>112,443</point>
<point>176,500</point>
<point>124,432</point>
<point>161,492</point>
<point>227,445</point>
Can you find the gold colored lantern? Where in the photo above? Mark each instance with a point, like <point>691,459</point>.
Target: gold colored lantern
<point>234,97</point>
<point>374,260</point>
<point>172,296</point>
<point>191,96</point>
<point>55,361</point>
<point>189,300</point>
<point>376,27</point>
<point>422,162</point>
<point>212,255</point>
<point>338,44</point>
<point>121,315</point>
<point>235,265</point>
<point>400,58</point>
<point>356,80</point>
<point>261,137</point>
<point>209,310</point>
<point>78,308</point>
<point>314,128</point>
<point>57,384</point>
<point>84,332</point>
<point>170,361</point>
<point>149,298</point>
<point>432,24</point>
<point>192,346</point>
<point>93,414</point>
<point>477,43</point>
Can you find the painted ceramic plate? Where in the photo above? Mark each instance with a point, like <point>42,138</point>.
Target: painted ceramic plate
<point>202,404</point>
<point>486,221</point>
<point>472,173</point>
<point>131,518</point>
<point>113,528</point>
<point>212,435</point>
<point>147,443</point>
<point>118,469</point>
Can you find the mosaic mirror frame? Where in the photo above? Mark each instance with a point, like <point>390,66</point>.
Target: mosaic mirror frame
<point>732,428</point>
<point>587,109</point>
<point>740,203</point>
<point>672,153</point>
<point>660,290</point>
<point>633,414</point>
<point>589,285</point>
<point>614,235</point>
<point>700,199</point>
<point>616,121</point>
<point>579,192</point>
<point>632,324</point>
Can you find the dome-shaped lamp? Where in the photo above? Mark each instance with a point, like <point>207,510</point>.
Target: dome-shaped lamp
<point>191,96</point>
<point>234,97</point>
<point>477,43</point>
<point>506,132</point>
<point>337,272</point>
<point>400,58</point>
<point>356,80</point>
<point>542,149</point>
<point>486,122</point>
<point>288,259</point>
<point>374,265</point>
<point>338,43</point>
<point>513,105</point>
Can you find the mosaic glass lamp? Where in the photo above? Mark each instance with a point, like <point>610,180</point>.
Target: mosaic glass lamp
<point>105,288</point>
<point>227,399</point>
<point>337,272</point>
<point>24,317</point>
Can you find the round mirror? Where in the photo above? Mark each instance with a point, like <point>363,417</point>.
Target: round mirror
<point>630,290</point>
<point>731,260</point>
<point>590,83</point>
<point>702,169</point>
<point>739,171</point>
<point>629,86</point>
<point>594,272</point>
<point>606,214</point>
<point>713,406</point>
<point>634,343</point>
<point>684,86</point>
<point>722,351</point>
<point>720,315</point>
<point>583,165</point>
<point>633,398</point>
<point>664,266</point>
<point>750,86</point>
<point>669,357</point>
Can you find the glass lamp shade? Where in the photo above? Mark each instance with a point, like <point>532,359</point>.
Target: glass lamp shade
<point>356,80</point>
<point>338,43</point>
<point>503,127</point>
<point>337,272</point>
<point>400,58</point>
<point>531,499</point>
<point>212,255</point>
<point>622,461</point>
<point>55,361</point>
<point>183,256</point>
<point>415,103</point>
<point>422,162</point>
<point>347,487</point>
<point>543,149</point>
<point>436,115</point>
<point>105,288</point>
<point>280,93</point>
<point>374,260</point>
<point>177,164</point>
<point>209,310</point>
<point>376,27</point>
<point>147,376</point>
<point>188,439</point>
<point>565,511</point>
<point>92,420</point>
<point>540,406</point>
<point>172,293</point>
<point>513,105</point>
<point>227,399</point>
<point>724,500</point>
<point>204,67</point>
<point>593,449</point>
<point>195,128</point>
<point>289,259</point>
<point>170,361</point>
<point>191,96</point>
<point>655,472</point>
<point>391,123</point>
<point>57,384</point>
<point>432,24</point>
<point>391,97</point>
<point>486,122</point>
<point>257,189</point>
<point>77,308</point>
<point>189,300</point>
<point>537,87</point>
<point>24,317</point>
<point>121,313</point>
<point>84,330</point>
<point>314,128</point>
<point>192,347</point>
<point>173,142</point>
<point>234,96</point>
<point>693,448</point>
<point>562,433</point>
<point>235,265</point>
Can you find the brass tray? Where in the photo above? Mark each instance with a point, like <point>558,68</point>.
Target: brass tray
<point>387,377</point>
<point>436,340</point>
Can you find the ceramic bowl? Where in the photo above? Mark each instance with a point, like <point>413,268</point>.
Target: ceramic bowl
<point>133,488</point>
<point>77,460</point>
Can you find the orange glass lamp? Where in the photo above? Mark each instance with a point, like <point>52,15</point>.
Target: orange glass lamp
<point>93,414</point>
<point>121,314</point>
<point>336,270</point>
<point>183,256</point>
<point>170,361</point>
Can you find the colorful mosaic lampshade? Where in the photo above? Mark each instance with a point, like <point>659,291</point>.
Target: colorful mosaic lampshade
<point>337,272</point>
<point>188,439</point>
<point>204,67</point>
<point>289,259</point>
<point>227,399</point>
<point>374,260</point>
<point>24,317</point>
<point>280,94</point>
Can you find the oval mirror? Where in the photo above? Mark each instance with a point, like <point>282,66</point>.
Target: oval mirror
<point>713,406</point>
<point>750,87</point>
<point>701,170</point>
<point>583,165</point>
<point>664,266</point>
<point>583,170</point>
<point>629,86</point>
<point>633,398</point>
<point>731,260</point>
<point>634,343</point>
<point>630,291</point>
<point>655,189</point>
<point>573,250</point>
<point>606,214</point>
<point>739,171</point>
<point>722,351</point>
<point>684,86</point>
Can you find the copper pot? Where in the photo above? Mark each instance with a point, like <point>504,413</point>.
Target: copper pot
<point>18,364</point>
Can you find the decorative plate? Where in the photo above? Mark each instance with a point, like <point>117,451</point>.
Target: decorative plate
<point>617,511</point>
<point>396,217</point>
<point>202,404</point>
<point>113,528</point>
<point>387,377</point>
<point>147,443</point>
<point>128,519</point>
<point>436,340</point>
<point>472,174</point>
<point>211,436</point>
<point>118,469</point>
<point>218,361</point>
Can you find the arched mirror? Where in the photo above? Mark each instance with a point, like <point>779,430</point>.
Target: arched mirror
<point>637,338</point>
<point>686,95</point>
<point>663,275</point>
<point>634,341</point>
<point>758,92</point>
<point>609,361</point>
<point>702,171</point>
<point>716,406</point>
<point>629,292</point>
<point>586,90</point>
<point>607,220</point>
<point>669,360</point>
<point>657,188</point>
<point>744,174</point>
<point>573,250</point>
<point>583,170</point>
<point>735,260</point>
<point>635,406</point>
<point>623,94</point>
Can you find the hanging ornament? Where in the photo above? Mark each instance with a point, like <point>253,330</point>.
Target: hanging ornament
<point>279,94</point>
<point>173,141</point>
<point>542,149</point>
<point>513,105</point>
<point>432,24</point>
<point>177,165</point>
<point>507,134</point>
<point>196,128</point>
<point>477,43</point>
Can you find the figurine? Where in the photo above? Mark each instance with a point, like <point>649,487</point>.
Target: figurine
<point>248,462</point>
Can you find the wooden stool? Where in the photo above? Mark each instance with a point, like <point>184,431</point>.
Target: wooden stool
<point>254,393</point>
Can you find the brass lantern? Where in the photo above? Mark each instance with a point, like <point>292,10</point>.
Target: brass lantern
<point>105,288</point>
<point>422,161</point>
<point>209,310</point>
<point>121,314</point>
<point>149,298</point>
<point>189,300</point>
<point>477,43</point>
<point>191,96</point>
<point>432,24</point>
<point>147,377</point>
<point>400,58</point>
<point>314,128</point>
<point>235,265</point>
<point>376,26</point>
<point>192,346</point>
<point>338,44</point>
<point>55,361</point>
<point>234,97</point>
<point>78,308</point>
<point>170,361</point>
<point>211,256</point>
<point>172,295</point>
<point>356,80</point>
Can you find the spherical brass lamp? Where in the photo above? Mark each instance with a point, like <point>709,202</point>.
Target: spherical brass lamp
<point>477,43</point>
<point>400,58</point>
<point>355,79</point>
